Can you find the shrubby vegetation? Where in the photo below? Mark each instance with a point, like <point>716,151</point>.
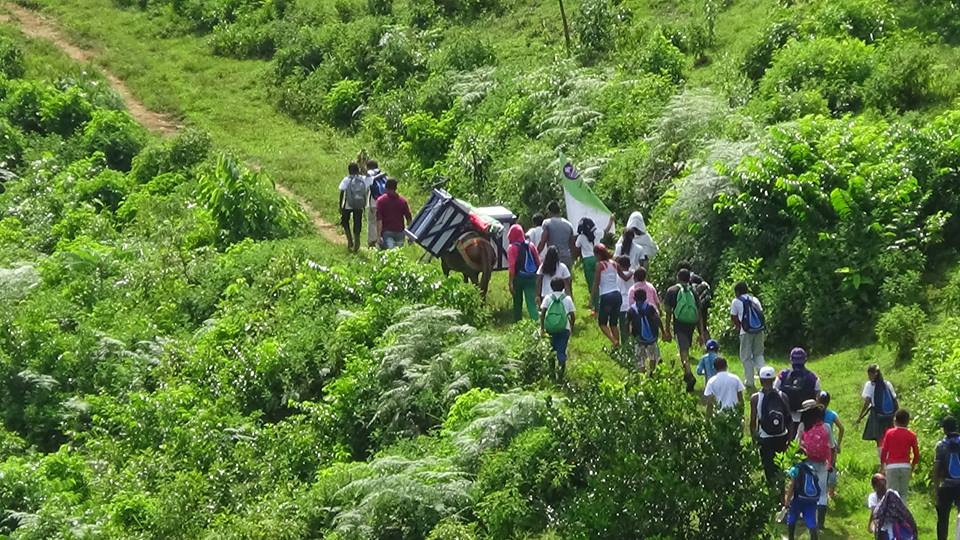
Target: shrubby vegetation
<point>176,362</point>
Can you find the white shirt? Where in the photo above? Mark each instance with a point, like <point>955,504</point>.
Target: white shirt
<point>367,181</point>
<point>562,272</point>
<point>869,387</point>
<point>585,245</point>
<point>724,387</point>
<point>609,278</point>
<point>567,304</point>
<point>872,502</point>
<point>636,254</point>
<point>736,309</point>
<point>534,234</point>
<point>625,286</point>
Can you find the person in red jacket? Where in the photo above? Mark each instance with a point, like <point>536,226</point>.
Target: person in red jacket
<point>895,454</point>
<point>523,260</point>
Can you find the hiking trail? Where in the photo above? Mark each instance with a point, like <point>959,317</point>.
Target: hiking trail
<point>36,26</point>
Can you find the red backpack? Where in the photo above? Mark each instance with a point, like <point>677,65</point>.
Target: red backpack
<point>816,443</point>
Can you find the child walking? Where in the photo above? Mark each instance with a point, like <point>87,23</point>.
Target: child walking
<point>556,319</point>
<point>645,326</point>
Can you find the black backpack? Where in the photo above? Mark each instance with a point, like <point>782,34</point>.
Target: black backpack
<point>799,385</point>
<point>774,412</point>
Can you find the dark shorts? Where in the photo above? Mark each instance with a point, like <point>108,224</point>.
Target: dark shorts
<point>806,510</point>
<point>684,334</point>
<point>609,312</point>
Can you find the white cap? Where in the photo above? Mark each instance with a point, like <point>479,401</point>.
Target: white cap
<point>767,372</point>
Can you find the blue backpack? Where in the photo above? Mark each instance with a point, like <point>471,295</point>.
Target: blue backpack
<point>643,328</point>
<point>884,403</point>
<point>526,263</point>
<point>953,459</point>
<point>806,486</point>
<point>379,185</point>
<point>752,320</point>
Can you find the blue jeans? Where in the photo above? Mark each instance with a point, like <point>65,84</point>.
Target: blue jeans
<point>559,343</point>
<point>392,239</point>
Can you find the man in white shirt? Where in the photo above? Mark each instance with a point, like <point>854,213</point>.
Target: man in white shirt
<point>723,390</point>
<point>354,199</point>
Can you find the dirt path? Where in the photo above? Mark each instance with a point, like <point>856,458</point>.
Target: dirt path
<point>36,26</point>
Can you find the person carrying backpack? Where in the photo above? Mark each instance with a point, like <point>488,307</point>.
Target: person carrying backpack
<point>800,499</point>
<point>378,188</point>
<point>683,316</point>
<point>816,441</point>
<point>523,261</point>
<point>706,366</point>
<point>895,450</point>
<point>746,313</point>
<point>626,283</point>
<point>354,198</point>
<point>890,519</point>
<point>770,422</point>
<point>946,475</point>
<point>645,326</point>
<point>798,383</point>
<point>879,406</point>
<point>556,319</point>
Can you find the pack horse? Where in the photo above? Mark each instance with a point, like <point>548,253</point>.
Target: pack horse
<point>465,238</point>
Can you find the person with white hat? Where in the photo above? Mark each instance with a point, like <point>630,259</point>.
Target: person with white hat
<point>770,421</point>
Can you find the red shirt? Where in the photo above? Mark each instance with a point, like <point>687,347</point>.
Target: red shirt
<point>896,446</point>
<point>391,209</point>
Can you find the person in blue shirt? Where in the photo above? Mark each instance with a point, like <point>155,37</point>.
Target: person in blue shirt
<point>800,499</point>
<point>706,367</point>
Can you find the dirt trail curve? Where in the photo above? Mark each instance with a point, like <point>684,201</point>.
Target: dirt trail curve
<point>36,26</point>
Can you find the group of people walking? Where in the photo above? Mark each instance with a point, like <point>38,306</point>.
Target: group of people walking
<point>367,192</point>
<point>789,405</point>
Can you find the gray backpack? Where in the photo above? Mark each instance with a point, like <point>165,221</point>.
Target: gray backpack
<point>356,194</point>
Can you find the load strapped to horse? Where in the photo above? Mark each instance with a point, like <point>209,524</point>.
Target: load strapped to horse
<point>466,239</point>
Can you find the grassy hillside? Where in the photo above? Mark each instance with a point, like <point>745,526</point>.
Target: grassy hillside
<point>824,172</point>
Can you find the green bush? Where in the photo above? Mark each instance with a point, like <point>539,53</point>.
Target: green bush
<point>900,328</point>
<point>11,146</point>
<point>180,153</point>
<point>105,191</point>
<point>660,57</point>
<point>380,7</point>
<point>249,37</point>
<point>760,53</point>
<point>342,102</point>
<point>23,104</point>
<point>866,20</point>
<point>463,51</point>
<point>902,78</point>
<point>115,134</point>
<point>835,70</point>
<point>12,65</point>
<point>65,113</point>
<point>596,25</point>
<point>246,204</point>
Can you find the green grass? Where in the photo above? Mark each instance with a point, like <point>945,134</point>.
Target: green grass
<point>178,75</point>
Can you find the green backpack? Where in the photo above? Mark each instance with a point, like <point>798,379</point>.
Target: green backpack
<point>686,310</point>
<point>555,320</point>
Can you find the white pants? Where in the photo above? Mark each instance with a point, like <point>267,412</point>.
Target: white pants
<point>372,225</point>
<point>751,354</point>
